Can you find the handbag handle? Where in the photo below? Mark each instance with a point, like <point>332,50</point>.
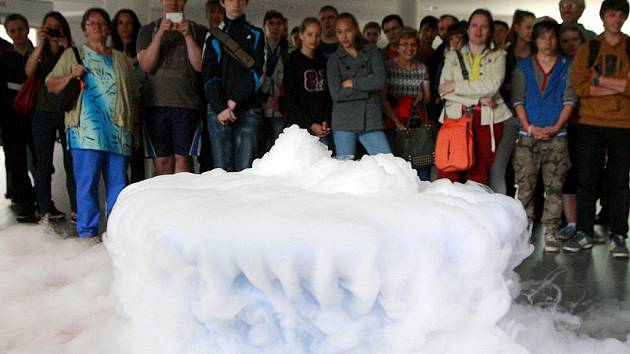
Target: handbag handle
<point>414,106</point>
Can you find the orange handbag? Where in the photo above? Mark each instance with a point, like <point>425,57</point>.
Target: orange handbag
<point>454,147</point>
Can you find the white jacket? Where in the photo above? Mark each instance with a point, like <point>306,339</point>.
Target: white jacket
<point>468,93</point>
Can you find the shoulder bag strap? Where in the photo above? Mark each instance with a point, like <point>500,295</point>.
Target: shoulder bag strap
<point>76,55</point>
<point>233,48</point>
<point>460,57</point>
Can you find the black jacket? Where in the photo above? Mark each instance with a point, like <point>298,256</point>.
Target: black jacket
<point>308,99</point>
<point>224,77</point>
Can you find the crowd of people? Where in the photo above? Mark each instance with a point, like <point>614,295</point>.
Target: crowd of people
<point>549,102</point>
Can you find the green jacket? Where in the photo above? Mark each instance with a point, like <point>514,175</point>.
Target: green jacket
<point>125,87</point>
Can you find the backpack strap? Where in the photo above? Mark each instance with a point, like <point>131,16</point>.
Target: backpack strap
<point>233,48</point>
<point>593,51</point>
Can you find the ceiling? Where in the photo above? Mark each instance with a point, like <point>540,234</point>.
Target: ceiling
<point>365,10</point>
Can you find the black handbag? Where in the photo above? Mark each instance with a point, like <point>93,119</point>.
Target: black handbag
<point>70,94</point>
<point>416,144</point>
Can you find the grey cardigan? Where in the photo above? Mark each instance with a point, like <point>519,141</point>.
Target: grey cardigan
<point>356,109</point>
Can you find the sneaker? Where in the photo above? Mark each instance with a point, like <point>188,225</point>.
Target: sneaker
<point>618,248</point>
<point>580,241</point>
<point>54,214</point>
<point>25,216</point>
<point>551,243</point>
<point>73,217</point>
<point>566,233</point>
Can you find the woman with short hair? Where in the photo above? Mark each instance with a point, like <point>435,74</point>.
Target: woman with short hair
<point>100,125</point>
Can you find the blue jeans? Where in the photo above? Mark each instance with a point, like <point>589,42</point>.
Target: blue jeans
<point>45,127</point>
<point>89,165</point>
<point>235,145</point>
<point>373,141</point>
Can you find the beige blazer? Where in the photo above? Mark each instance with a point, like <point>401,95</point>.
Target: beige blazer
<point>468,93</point>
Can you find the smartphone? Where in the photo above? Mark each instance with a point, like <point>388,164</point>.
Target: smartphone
<point>175,17</point>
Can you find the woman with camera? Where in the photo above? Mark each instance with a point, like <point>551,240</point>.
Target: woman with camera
<point>52,39</point>
<point>100,123</point>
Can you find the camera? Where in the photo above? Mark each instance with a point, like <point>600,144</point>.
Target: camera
<point>53,32</point>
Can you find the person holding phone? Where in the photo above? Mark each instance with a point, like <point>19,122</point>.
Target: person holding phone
<point>48,120</point>
<point>169,52</point>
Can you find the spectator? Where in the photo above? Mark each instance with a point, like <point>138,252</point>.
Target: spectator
<point>478,95</point>
<point>520,37</point>
<point>543,100</point>
<point>356,76</point>
<point>214,13</point>
<point>5,46</point>
<point>407,83</point>
<point>125,29</point>
<point>169,52</point>
<point>604,130</point>
<point>444,23</point>
<point>501,31</point>
<point>571,37</point>
<point>571,11</point>
<point>456,36</point>
<point>455,40</point>
<point>295,41</point>
<point>391,25</point>
<point>215,16</point>
<point>232,90</point>
<point>48,120</point>
<point>328,44</point>
<point>276,56</point>
<point>99,126</point>
<point>16,129</point>
<point>437,60</point>
<point>428,31</point>
<point>372,32</point>
<point>519,47</point>
<point>308,99</point>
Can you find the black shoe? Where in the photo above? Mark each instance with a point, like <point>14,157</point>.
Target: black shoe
<point>54,214</point>
<point>26,214</point>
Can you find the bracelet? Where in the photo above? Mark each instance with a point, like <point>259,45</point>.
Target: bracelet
<point>529,130</point>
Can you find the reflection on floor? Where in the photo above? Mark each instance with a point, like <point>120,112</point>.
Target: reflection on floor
<point>589,283</point>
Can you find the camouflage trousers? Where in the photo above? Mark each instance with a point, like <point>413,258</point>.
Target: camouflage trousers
<point>552,158</point>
